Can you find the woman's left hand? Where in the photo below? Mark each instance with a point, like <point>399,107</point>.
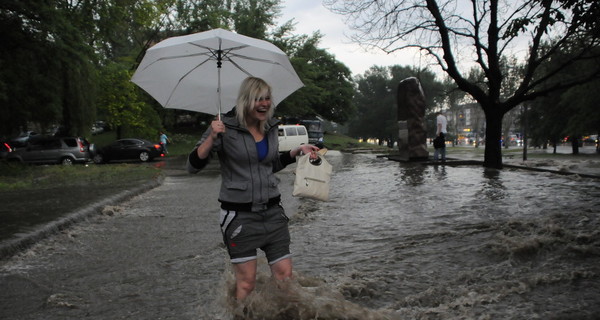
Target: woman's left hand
<point>305,149</point>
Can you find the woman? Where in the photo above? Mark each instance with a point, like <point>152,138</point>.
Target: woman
<point>246,140</point>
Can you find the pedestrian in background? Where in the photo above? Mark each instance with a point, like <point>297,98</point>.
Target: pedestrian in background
<point>439,143</point>
<point>246,140</point>
<point>163,141</point>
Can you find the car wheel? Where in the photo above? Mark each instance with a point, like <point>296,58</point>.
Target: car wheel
<point>98,159</point>
<point>144,156</point>
<point>66,161</point>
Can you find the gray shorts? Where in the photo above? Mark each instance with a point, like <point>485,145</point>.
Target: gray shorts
<point>244,232</point>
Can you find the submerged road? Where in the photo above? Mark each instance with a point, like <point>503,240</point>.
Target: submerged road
<point>156,256</point>
<point>492,245</point>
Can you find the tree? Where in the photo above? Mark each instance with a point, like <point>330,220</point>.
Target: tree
<point>254,17</point>
<point>117,29</point>
<point>568,112</point>
<point>189,16</point>
<point>376,99</point>
<point>48,72</point>
<point>483,32</point>
<point>328,88</point>
<point>586,99</point>
<point>24,66</point>
<point>124,110</point>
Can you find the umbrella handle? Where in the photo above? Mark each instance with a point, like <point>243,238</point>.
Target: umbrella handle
<point>219,53</point>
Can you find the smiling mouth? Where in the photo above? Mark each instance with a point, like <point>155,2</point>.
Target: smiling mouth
<point>262,110</point>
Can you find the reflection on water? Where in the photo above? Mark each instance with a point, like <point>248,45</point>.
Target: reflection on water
<point>492,187</point>
<point>408,241</point>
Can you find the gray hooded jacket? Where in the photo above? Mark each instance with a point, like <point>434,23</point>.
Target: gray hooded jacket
<point>247,183</point>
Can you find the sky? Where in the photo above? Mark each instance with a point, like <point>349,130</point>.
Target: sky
<point>311,16</point>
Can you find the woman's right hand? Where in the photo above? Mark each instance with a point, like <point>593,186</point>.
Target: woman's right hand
<point>204,149</point>
<point>217,127</point>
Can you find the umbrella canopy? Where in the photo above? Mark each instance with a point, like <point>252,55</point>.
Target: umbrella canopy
<point>202,71</point>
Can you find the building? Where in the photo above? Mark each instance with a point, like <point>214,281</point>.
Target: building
<point>466,124</point>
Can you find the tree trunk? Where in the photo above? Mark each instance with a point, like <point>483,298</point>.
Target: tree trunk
<point>575,145</point>
<point>493,135</point>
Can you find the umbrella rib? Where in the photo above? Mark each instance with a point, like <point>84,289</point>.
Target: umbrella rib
<point>176,65</point>
<point>181,79</point>
<point>240,68</point>
<point>211,49</point>
<point>178,57</point>
<point>256,59</point>
<point>228,54</point>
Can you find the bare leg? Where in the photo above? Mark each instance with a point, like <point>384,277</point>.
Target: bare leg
<point>282,269</point>
<point>245,279</point>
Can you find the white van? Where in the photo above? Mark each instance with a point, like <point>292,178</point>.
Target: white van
<point>292,136</point>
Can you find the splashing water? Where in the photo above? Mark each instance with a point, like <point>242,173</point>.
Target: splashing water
<point>396,241</point>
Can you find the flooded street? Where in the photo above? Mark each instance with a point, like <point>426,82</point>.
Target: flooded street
<point>396,241</point>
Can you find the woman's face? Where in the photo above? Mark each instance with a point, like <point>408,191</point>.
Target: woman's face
<point>262,104</point>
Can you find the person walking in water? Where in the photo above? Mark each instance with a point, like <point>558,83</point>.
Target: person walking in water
<point>251,217</point>
<point>163,141</point>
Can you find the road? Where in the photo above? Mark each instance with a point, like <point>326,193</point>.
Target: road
<point>156,256</point>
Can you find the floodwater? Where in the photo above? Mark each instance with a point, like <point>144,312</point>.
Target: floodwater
<point>396,241</point>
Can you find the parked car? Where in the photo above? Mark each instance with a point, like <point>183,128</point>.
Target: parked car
<point>96,129</point>
<point>5,149</point>
<point>129,149</point>
<point>47,149</point>
<point>22,138</point>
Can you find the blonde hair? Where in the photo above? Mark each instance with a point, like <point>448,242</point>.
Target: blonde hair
<point>250,90</point>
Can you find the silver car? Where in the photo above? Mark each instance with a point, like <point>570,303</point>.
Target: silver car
<point>46,149</point>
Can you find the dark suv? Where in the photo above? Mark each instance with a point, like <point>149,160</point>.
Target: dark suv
<point>46,149</point>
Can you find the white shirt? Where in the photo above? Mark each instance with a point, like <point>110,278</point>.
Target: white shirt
<point>443,123</point>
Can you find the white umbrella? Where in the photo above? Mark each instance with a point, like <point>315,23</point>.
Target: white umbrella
<point>202,71</point>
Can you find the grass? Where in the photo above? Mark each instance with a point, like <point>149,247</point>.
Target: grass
<point>335,141</point>
<point>21,177</point>
<point>181,142</point>
<point>16,176</point>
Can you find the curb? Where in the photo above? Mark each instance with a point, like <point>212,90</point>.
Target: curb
<point>12,247</point>
<point>564,173</point>
<point>458,162</point>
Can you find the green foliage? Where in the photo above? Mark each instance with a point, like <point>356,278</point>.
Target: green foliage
<point>48,72</point>
<point>582,103</point>
<point>69,63</point>
<point>567,111</point>
<point>182,143</point>
<point>253,17</point>
<point>121,106</point>
<point>376,99</point>
<point>328,89</point>
<point>187,16</point>
<point>585,14</point>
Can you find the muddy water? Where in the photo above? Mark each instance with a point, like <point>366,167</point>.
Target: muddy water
<point>396,241</point>
<point>456,242</point>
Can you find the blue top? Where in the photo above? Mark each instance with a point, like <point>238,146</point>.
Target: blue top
<point>262,147</point>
